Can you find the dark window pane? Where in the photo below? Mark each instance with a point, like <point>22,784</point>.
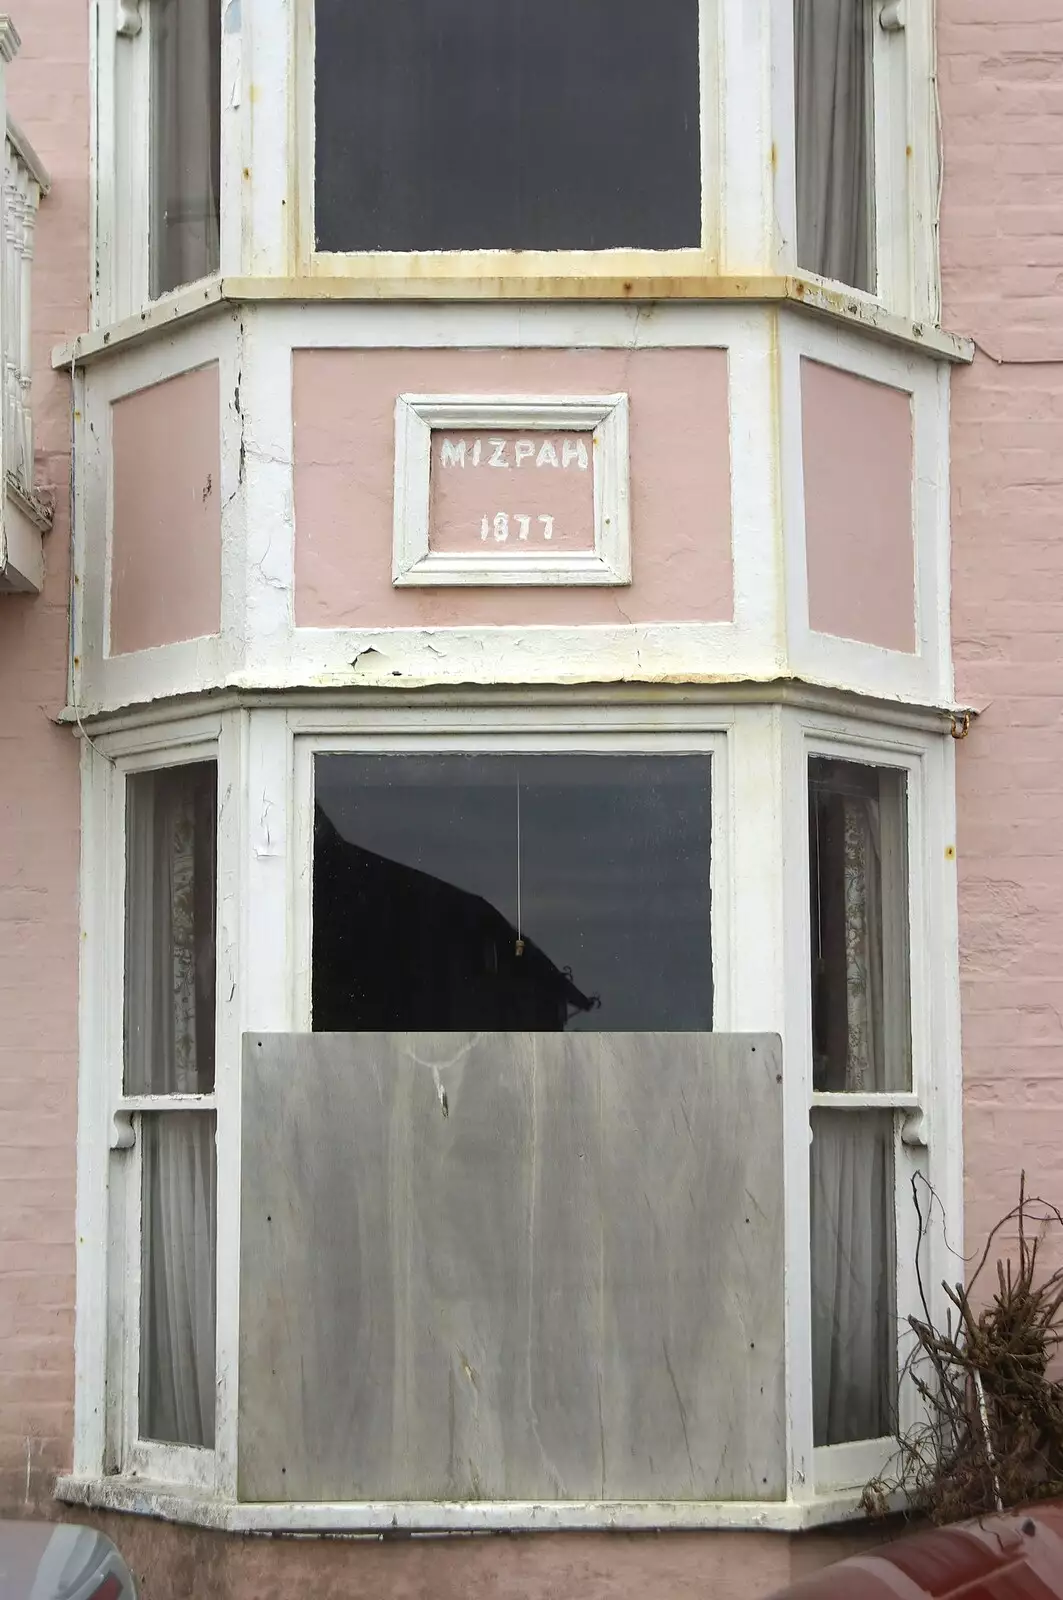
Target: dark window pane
<point>835,139</point>
<point>185,141</point>
<point>178,1278</point>
<point>171,838</point>
<point>519,124</point>
<point>854,1276</point>
<point>497,892</point>
<point>861,1006</point>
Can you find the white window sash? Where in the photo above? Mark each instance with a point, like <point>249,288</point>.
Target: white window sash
<point>927,1120</point>
<point>121,158</point>
<point>905,201</point>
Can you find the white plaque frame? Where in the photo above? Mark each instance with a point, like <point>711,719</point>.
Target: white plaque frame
<point>417,415</point>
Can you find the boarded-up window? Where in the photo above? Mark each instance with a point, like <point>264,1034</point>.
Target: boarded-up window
<point>519,124</point>
<point>538,1266</point>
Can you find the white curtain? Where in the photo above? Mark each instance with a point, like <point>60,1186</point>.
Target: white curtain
<point>832,61</point>
<point>186,141</point>
<point>854,1336</point>
<point>177,1318</point>
<point>170,1050</point>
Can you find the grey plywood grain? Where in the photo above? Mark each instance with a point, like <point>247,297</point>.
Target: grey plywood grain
<point>511,1266</point>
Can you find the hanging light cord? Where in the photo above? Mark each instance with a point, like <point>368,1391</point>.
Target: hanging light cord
<point>520,939</point>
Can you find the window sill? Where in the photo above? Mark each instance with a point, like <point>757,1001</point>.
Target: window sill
<point>810,294</point>
<point>139,1498</point>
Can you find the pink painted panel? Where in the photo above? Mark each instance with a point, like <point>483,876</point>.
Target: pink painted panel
<point>166,529</point>
<point>173,1562</point>
<point>344,403</point>
<point>530,491</point>
<point>857,440</point>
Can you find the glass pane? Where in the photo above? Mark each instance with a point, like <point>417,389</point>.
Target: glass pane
<point>185,141</point>
<point>519,124</point>
<point>835,139</point>
<point>861,1000</point>
<point>497,892</point>
<point>854,1276</point>
<point>178,1277</point>
<point>171,841</point>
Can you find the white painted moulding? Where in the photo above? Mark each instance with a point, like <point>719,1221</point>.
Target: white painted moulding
<point>417,416</point>
<point>376,1518</point>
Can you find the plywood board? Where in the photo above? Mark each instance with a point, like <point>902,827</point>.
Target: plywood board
<point>511,1266</point>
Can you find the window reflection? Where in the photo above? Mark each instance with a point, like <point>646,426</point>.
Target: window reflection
<point>496,892</point>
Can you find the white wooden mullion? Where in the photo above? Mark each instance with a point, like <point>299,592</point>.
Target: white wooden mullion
<point>748,28</point>
<point>129,1104</point>
<point>893,219</point>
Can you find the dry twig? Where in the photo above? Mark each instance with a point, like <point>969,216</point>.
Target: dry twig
<point>993,1429</point>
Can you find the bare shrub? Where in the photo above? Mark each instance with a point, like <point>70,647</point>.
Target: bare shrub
<point>993,1430</point>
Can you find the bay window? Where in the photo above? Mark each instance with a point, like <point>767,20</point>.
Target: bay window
<point>446,139</point>
<point>419,889</point>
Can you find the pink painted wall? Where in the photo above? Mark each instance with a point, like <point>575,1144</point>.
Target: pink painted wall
<point>857,444</point>
<point>1002,252</point>
<point>344,405</point>
<point>48,89</point>
<point>179,1562</point>
<point>166,525</point>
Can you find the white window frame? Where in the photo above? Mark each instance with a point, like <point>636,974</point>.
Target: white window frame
<point>140,1457</point>
<point>520,741</point>
<point>905,200</point>
<point>760,952</point>
<point>107,1409</point>
<point>700,260</point>
<point>928,1115</point>
<point>121,161</point>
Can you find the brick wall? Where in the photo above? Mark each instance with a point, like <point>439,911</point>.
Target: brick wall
<point>1001,68</point>
<point>48,89</point>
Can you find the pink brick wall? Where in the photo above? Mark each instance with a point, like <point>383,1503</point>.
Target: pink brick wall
<point>1001,68</point>
<point>49,96</point>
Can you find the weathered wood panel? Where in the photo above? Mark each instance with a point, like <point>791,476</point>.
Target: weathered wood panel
<point>511,1266</point>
